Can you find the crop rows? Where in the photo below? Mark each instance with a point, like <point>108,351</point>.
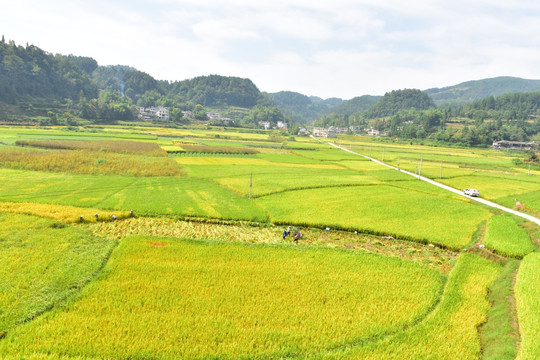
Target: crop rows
<point>451,331</point>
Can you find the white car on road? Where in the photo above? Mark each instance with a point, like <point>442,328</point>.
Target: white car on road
<point>471,192</point>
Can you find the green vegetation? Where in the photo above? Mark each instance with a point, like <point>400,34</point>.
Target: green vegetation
<point>183,299</point>
<point>500,333</point>
<point>399,100</point>
<point>379,209</point>
<point>528,306</point>
<point>42,263</point>
<point>449,332</point>
<point>505,236</point>
<point>146,195</point>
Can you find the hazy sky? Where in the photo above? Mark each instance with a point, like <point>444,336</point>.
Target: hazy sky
<point>338,48</point>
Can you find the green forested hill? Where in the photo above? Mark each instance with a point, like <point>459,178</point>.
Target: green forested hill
<point>301,107</point>
<point>397,100</point>
<point>360,103</point>
<point>30,71</point>
<point>216,90</point>
<point>470,91</point>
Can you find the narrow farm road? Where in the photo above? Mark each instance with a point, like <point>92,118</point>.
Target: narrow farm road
<point>446,187</point>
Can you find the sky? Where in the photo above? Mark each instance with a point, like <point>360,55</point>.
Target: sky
<point>338,48</point>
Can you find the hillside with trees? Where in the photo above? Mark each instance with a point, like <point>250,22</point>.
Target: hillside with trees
<point>470,91</point>
<point>357,104</point>
<point>57,89</point>
<point>31,72</point>
<point>301,108</point>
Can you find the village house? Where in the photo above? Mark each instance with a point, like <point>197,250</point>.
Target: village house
<point>153,113</point>
<point>322,132</point>
<point>373,132</point>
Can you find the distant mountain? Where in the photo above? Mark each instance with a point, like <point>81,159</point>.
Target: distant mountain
<point>300,107</point>
<point>331,102</point>
<point>357,104</point>
<point>397,100</point>
<point>470,91</point>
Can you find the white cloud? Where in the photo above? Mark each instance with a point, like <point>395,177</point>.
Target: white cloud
<point>342,48</point>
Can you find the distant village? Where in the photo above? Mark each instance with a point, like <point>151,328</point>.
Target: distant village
<point>161,114</point>
<point>332,131</point>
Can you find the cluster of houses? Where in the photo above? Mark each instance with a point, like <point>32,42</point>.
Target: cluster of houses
<point>332,131</point>
<point>280,125</point>
<point>159,113</point>
<point>516,145</point>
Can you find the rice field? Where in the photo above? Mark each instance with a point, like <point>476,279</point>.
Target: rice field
<point>202,271</point>
<point>171,298</point>
<point>505,236</point>
<point>380,209</point>
<point>42,263</point>
<point>528,306</point>
<point>450,331</point>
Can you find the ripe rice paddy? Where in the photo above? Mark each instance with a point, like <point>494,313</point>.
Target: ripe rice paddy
<point>528,306</point>
<point>42,263</point>
<point>183,299</point>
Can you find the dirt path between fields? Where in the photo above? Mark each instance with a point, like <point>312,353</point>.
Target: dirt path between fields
<point>445,187</point>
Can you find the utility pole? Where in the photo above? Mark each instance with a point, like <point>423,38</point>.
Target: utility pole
<point>529,168</point>
<point>420,171</point>
<point>383,155</point>
<point>250,183</point>
<point>398,162</point>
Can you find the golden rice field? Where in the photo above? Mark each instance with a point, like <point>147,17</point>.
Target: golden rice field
<point>175,299</point>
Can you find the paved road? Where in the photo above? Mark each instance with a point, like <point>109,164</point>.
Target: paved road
<point>446,187</point>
